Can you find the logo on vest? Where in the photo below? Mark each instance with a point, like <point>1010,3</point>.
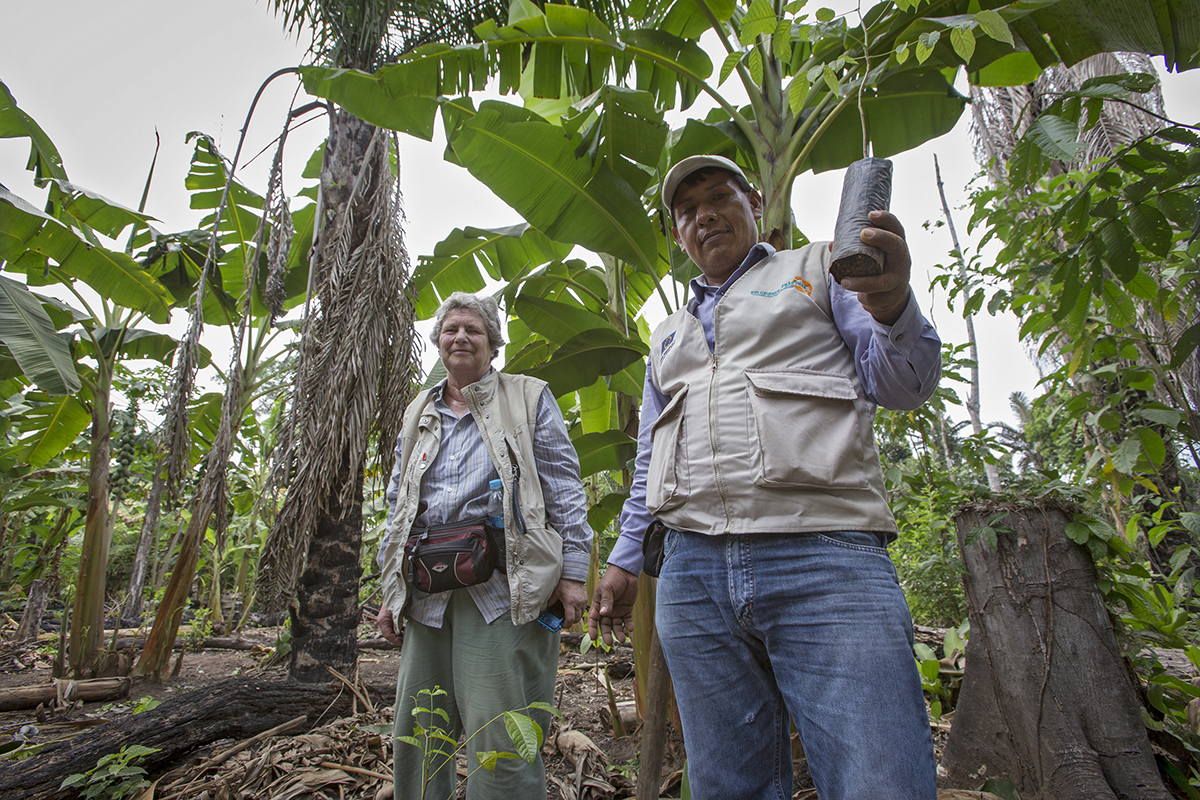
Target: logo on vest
<point>666,343</point>
<point>798,283</point>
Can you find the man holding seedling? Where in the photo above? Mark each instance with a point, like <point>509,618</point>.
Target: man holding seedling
<point>760,501</point>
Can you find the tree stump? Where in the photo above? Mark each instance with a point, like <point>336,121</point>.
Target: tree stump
<point>1047,699</point>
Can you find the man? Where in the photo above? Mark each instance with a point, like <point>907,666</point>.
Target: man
<point>776,596</point>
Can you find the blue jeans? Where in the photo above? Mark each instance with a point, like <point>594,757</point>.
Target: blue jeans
<point>757,627</point>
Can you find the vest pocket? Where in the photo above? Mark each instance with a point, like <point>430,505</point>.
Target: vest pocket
<point>804,430</point>
<point>667,479</point>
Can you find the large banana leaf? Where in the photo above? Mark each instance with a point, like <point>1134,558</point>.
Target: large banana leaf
<point>360,92</point>
<point>578,361</point>
<point>52,428</point>
<point>240,222</point>
<point>43,354</point>
<point>604,451</point>
<point>94,211</point>
<point>30,240</point>
<point>505,253</point>
<point>177,259</point>
<point>1078,29</point>
<point>557,320</point>
<point>572,281</point>
<point>532,167</point>
<point>623,128</point>
<point>206,180</point>
<point>904,109</point>
<point>44,158</point>
<point>562,301</point>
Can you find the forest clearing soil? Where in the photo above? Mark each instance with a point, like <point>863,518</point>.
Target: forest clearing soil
<point>300,763</point>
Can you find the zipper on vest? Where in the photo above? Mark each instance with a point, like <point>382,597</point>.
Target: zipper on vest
<point>712,434</point>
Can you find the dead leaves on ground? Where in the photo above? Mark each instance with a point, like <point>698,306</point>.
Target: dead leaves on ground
<point>345,759</point>
<point>352,758</point>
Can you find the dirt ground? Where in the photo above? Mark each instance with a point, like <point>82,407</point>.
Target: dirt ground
<point>584,758</point>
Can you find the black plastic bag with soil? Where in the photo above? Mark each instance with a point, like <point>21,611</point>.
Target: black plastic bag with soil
<point>866,188</point>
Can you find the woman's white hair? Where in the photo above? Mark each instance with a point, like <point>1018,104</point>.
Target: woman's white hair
<point>483,305</point>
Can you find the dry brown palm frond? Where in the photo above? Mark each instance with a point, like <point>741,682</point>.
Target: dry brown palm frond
<point>358,354</point>
<point>176,434</point>
<point>279,245</point>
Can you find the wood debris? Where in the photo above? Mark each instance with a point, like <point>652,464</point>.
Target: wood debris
<point>347,758</point>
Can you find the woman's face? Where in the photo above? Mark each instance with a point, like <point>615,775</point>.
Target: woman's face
<point>463,345</point>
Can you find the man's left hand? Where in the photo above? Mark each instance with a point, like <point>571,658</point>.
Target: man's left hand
<point>573,597</point>
<point>884,296</point>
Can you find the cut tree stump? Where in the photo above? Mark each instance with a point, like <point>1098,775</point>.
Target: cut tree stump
<point>237,709</point>
<point>1047,699</point>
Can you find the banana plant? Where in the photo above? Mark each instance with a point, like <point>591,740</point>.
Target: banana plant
<point>246,299</point>
<point>114,293</point>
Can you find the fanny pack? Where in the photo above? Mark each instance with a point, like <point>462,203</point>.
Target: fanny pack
<point>454,555</point>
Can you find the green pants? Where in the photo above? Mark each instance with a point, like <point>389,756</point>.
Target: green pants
<point>484,670</point>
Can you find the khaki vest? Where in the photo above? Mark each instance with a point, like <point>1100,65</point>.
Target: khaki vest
<point>505,411</point>
<point>770,432</point>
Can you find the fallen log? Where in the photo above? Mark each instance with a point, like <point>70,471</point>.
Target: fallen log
<point>236,709</point>
<point>214,643</point>
<point>61,692</point>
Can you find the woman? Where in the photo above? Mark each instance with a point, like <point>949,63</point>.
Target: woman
<point>481,645</point>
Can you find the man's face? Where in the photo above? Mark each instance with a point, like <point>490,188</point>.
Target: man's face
<point>716,223</point>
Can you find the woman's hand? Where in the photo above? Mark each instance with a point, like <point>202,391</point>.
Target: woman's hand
<point>573,597</point>
<point>388,628</point>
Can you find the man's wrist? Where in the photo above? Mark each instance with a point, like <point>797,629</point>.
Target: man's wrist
<point>889,313</point>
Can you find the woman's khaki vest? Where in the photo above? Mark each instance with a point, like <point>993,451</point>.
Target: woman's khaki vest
<point>505,411</point>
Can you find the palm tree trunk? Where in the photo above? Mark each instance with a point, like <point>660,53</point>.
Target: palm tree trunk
<point>357,360</point>
<point>326,613</point>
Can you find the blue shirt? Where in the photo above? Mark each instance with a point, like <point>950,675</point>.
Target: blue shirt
<point>898,366</point>
<point>455,487</point>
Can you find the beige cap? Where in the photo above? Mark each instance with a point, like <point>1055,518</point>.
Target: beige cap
<point>689,165</point>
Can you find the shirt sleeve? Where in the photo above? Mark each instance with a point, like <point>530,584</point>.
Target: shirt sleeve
<point>558,470</point>
<point>635,517</point>
<point>390,494</point>
<point>899,365</point>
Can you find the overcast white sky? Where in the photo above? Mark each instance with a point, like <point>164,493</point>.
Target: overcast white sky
<point>101,76</point>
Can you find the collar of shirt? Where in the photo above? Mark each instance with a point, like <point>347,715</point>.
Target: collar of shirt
<point>701,290</point>
<point>439,396</point>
